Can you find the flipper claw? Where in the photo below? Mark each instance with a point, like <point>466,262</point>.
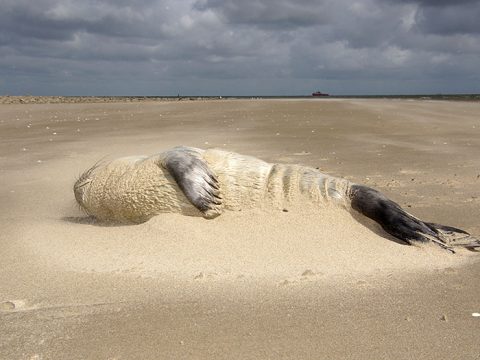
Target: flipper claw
<point>195,179</point>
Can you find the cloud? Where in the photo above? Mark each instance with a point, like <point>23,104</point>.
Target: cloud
<point>154,47</point>
<point>276,14</point>
<point>456,18</point>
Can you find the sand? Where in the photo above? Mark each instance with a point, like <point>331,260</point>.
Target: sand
<point>257,284</point>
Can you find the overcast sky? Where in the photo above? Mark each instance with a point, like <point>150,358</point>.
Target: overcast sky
<point>239,47</point>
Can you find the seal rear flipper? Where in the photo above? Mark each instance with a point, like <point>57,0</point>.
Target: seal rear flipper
<point>195,179</point>
<point>394,220</point>
<point>452,236</point>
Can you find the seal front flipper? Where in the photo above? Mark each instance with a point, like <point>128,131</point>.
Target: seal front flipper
<point>397,222</point>
<point>195,179</point>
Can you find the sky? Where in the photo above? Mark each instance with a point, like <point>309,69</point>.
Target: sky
<point>239,47</point>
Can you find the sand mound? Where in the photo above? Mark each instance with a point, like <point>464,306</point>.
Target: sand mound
<point>255,244</point>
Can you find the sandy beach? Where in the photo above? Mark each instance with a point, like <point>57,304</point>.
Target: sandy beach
<point>255,284</point>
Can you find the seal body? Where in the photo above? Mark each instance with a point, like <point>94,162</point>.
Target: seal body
<point>247,181</point>
<point>133,189</point>
<point>205,183</point>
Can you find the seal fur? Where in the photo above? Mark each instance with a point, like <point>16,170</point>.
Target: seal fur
<point>198,182</point>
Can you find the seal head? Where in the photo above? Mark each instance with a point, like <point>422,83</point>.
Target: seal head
<point>81,187</point>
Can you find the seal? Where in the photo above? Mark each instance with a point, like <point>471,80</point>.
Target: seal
<point>206,183</point>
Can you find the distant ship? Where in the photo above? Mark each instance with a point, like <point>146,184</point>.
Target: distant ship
<point>319,93</point>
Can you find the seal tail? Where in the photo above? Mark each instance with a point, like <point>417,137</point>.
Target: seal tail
<point>404,226</point>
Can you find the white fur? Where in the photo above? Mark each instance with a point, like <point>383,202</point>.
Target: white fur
<point>134,189</point>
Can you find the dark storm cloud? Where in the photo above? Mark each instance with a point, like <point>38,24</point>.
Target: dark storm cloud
<point>237,47</point>
<point>440,3</point>
<point>450,19</point>
<point>268,13</point>
<point>57,20</point>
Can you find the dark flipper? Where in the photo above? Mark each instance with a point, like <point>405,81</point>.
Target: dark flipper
<point>455,237</point>
<point>195,179</point>
<point>397,222</point>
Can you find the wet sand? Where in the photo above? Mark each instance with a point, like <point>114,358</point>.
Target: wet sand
<point>257,284</point>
